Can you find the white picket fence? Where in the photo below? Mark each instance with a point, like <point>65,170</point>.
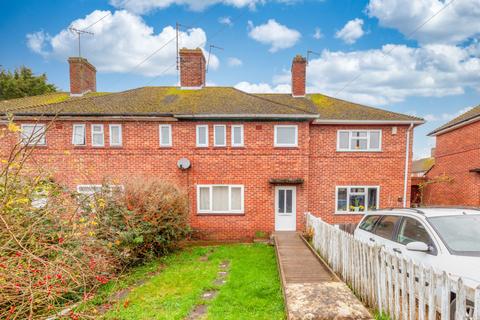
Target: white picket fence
<point>379,279</point>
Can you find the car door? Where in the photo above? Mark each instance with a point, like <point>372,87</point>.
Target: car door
<point>364,231</point>
<point>385,230</point>
<point>410,230</point>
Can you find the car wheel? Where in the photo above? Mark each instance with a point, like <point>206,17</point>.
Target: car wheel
<point>468,313</point>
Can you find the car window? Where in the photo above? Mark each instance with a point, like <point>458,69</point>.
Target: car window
<point>386,226</point>
<point>368,223</point>
<point>412,230</point>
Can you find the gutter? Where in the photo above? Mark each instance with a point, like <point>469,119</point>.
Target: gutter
<point>407,160</point>
<point>339,121</point>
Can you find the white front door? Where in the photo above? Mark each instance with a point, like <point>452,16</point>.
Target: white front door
<point>285,208</point>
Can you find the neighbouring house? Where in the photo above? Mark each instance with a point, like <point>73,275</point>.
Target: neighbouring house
<point>420,169</point>
<point>455,177</point>
<point>250,162</point>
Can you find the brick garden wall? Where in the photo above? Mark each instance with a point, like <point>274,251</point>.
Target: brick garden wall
<point>457,152</point>
<point>314,160</point>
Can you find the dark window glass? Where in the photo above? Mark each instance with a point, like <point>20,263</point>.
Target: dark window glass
<point>412,230</point>
<point>289,201</point>
<point>368,223</point>
<point>386,226</point>
<point>281,201</point>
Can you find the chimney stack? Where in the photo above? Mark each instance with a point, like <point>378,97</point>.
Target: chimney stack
<point>299,73</point>
<point>82,76</point>
<point>192,68</point>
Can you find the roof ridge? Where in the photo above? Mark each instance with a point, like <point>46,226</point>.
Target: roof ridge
<point>275,102</point>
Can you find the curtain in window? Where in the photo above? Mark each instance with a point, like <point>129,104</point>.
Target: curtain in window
<point>220,198</point>
<point>78,135</point>
<point>165,135</point>
<point>205,198</point>
<point>286,135</point>
<point>236,198</point>
<point>115,138</point>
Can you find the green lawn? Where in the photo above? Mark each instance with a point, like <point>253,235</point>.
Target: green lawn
<point>252,290</point>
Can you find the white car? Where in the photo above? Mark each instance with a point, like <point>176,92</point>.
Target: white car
<point>444,238</point>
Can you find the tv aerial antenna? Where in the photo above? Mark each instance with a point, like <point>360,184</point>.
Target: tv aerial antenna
<point>79,34</point>
<point>210,52</point>
<point>310,52</point>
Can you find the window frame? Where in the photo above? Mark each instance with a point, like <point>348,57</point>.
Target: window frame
<point>170,142</point>
<point>348,199</point>
<point>215,126</point>
<point>113,125</point>
<point>43,138</point>
<point>242,136</point>
<point>83,126</point>
<point>285,145</point>
<point>199,145</point>
<point>368,131</point>
<point>102,132</point>
<point>223,212</point>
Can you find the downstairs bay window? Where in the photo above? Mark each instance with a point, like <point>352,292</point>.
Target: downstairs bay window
<point>220,199</point>
<point>354,199</point>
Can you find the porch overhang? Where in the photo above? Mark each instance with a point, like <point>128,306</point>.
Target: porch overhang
<point>286,181</point>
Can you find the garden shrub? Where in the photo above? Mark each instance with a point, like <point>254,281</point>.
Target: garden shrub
<point>145,221</point>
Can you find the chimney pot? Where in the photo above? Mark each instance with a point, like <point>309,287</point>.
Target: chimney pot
<point>82,76</point>
<point>192,68</point>
<point>299,73</point>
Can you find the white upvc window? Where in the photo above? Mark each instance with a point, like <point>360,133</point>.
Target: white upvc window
<point>359,140</point>
<point>356,199</point>
<point>165,135</point>
<point>286,136</point>
<point>115,133</point>
<point>237,135</point>
<point>98,139</point>
<point>220,199</point>
<point>220,135</point>
<point>33,134</point>
<point>202,135</point>
<point>86,191</point>
<point>78,135</point>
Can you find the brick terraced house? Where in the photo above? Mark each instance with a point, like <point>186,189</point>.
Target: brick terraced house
<point>250,162</point>
<point>457,162</point>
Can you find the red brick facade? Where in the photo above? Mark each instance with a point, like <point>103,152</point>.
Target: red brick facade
<point>83,76</point>
<point>457,152</point>
<point>315,160</point>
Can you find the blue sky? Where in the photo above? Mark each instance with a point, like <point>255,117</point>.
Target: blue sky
<point>432,73</point>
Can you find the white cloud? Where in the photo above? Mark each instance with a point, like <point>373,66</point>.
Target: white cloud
<point>391,74</point>
<point>444,117</point>
<point>144,6</point>
<point>459,21</point>
<point>225,20</point>
<point>318,34</point>
<point>351,32</point>
<point>120,43</point>
<point>36,41</point>
<point>274,34</point>
<point>234,62</point>
<point>262,87</point>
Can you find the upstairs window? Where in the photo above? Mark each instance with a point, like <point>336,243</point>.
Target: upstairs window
<point>353,199</point>
<point>165,135</point>
<point>97,135</point>
<point>359,140</point>
<point>286,136</point>
<point>33,134</point>
<point>78,135</point>
<point>237,135</point>
<point>202,136</point>
<point>216,199</point>
<point>220,135</point>
<point>115,135</point>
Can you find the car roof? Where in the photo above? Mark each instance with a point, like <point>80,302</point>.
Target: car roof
<point>429,212</point>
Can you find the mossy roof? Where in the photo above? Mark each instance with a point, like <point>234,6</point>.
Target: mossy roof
<point>463,118</point>
<point>422,165</point>
<point>206,101</point>
<point>329,108</point>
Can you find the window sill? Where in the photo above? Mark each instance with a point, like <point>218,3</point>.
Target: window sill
<point>286,147</point>
<point>360,151</point>
<point>165,147</point>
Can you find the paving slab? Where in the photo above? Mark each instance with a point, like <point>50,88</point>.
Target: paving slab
<point>311,290</point>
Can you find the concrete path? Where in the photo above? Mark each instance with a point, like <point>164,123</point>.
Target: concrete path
<point>311,290</point>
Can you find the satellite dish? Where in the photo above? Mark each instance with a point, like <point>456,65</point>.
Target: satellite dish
<point>183,164</point>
